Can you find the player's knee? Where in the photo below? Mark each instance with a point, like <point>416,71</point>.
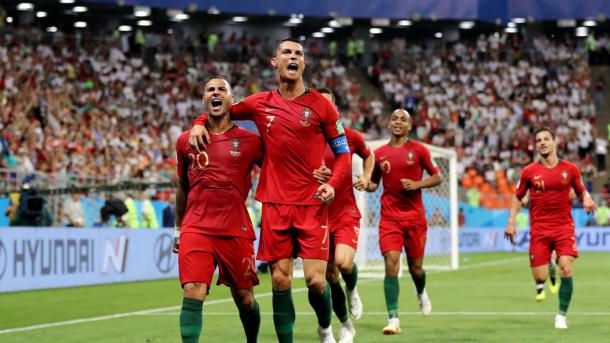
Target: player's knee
<point>281,281</point>
<point>565,270</point>
<point>416,270</point>
<point>244,301</point>
<point>345,265</point>
<point>332,276</point>
<point>195,290</point>
<point>316,283</point>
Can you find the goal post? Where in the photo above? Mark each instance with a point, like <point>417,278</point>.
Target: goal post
<point>441,204</point>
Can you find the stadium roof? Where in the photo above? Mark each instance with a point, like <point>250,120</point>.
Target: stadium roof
<point>490,10</point>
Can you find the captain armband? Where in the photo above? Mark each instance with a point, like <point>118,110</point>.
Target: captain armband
<point>339,145</point>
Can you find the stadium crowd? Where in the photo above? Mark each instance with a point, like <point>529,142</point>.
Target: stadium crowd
<point>113,105</point>
<point>483,99</point>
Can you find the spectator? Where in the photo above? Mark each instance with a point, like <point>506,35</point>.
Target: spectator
<point>169,212</point>
<point>601,150</point>
<point>602,214</point>
<point>73,213</point>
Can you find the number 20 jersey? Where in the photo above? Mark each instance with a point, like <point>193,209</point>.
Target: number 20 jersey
<point>219,179</point>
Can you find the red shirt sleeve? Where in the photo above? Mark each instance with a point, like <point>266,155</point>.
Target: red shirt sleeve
<point>376,176</point>
<point>333,130</point>
<point>426,162</point>
<point>523,184</point>
<point>360,147</point>
<point>579,188</point>
<point>242,110</point>
<point>180,162</point>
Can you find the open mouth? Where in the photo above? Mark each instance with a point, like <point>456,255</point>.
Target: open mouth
<point>293,67</point>
<point>216,104</point>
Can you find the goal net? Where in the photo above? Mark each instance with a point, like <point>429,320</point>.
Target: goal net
<point>441,207</point>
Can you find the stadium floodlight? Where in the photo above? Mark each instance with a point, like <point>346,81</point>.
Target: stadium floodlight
<point>519,20</point>
<point>404,23</point>
<point>66,1</point>
<point>25,6</point>
<point>79,9</point>
<point>511,25</point>
<point>466,25</point>
<point>318,35</point>
<point>438,35</point>
<point>170,31</point>
<point>213,10</point>
<point>240,19</point>
<point>590,23</point>
<point>141,11</point>
<point>9,19</point>
<point>52,29</point>
<point>295,20</point>
<point>144,23</point>
<point>511,30</point>
<point>180,16</point>
<point>375,30</point>
<point>302,38</point>
<point>80,24</point>
<point>327,30</point>
<point>334,23</point>
<point>124,28</point>
<point>41,14</point>
<point>582,31</point>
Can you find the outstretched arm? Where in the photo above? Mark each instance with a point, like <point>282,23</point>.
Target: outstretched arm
<point>199,134</point>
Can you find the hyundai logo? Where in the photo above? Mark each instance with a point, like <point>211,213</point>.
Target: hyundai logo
<point>3,260</point>
<point>163,256</point>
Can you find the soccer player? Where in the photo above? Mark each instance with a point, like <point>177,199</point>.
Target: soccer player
<point>549,182</point>
<point>344,226</point>
<point>295,124</point>
<point>401,164</point>
<point>212,223</point>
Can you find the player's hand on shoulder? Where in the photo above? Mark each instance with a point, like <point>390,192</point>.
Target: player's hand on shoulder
<point>409,185</point>
<point>198,137</point>
<point>362,183</point>
<point>322,174</point>
<point>326,193</point>
<point>510,232</point>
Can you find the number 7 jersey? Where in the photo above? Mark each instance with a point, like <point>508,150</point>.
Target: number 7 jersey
<point>219,179</point>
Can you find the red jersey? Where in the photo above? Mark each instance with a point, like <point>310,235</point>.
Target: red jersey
<point>550,205</point>
<point>345,202</point>
<point>294,133</point>
<point>395,163</point>
<point>219,179</point>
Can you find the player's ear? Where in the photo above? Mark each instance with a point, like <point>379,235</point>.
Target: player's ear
<point>274,62</point>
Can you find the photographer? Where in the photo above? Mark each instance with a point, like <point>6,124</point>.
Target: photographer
<point>32,209</point>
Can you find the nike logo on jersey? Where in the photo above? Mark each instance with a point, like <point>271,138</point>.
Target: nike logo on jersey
<point>269,109</point>
<point>537,177</point>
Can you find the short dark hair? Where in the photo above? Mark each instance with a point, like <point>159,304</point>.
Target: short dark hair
<point>544,129</point>
<point>327,91</point>
<point>294,40</point>
<point>216,77</point>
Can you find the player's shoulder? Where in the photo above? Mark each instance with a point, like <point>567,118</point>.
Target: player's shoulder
<point>245,133</point>
<point>184,137</point>
<point>418,145</point>
<point>353,135</point>
<point>530,168</point>
<point>257,97</point>
<point>569,165</point>
<point>382,149</point>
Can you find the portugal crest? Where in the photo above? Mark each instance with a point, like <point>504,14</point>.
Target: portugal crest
<point>410,158</point>
<point>306,112</point>
<point>564,177</point>
<point>235,147</point>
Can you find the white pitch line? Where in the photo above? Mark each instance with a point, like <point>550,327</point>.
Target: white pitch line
<point>459,313</point>
<point>212,302</point>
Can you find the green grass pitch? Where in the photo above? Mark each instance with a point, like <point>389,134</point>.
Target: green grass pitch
<point>490,299</point>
